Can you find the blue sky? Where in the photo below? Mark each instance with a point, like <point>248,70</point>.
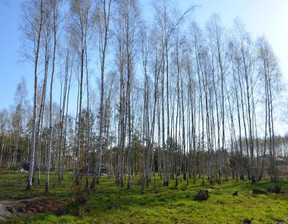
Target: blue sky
<point>11,70</point>
<point>261,17</point>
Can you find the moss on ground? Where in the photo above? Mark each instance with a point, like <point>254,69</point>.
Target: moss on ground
<point>109,203</point>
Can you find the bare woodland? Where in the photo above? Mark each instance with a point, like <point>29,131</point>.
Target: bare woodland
<point>155,97</point>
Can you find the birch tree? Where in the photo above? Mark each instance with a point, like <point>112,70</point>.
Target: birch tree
<point>34,12</point>
<point>55,15</point>
<point>18,117</point>
<point>80,17</point>
<point>102,23</point>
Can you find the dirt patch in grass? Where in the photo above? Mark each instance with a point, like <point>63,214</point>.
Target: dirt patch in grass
<point>43,205</point>
<point>33,205</point>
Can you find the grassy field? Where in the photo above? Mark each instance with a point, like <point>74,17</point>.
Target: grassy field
<point>109,203</point>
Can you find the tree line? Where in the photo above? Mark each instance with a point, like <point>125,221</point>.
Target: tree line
<point>170,98</point>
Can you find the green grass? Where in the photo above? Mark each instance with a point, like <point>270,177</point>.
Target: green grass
<point>109,203</point>
<point>12,186</point>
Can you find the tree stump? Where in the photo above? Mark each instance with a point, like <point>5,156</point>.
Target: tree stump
<point>258,191</point>
<point>202,195</point>
<point>276,190</point>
